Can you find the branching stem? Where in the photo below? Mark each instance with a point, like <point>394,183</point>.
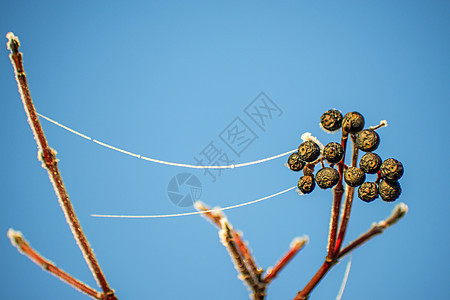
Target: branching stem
<point>47,155</point>
<point>348,203</point>
<point>337,199</point>
<point>377,228</point>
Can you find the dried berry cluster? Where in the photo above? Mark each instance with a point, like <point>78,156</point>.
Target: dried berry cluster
<point>367,140</point>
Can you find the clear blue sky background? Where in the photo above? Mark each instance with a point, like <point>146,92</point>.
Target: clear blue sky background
<point>164,79</point>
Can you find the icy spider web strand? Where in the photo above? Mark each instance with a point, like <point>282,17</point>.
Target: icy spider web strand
<point>193,213</point>
<point>344,280</point>
<point>232,166</point>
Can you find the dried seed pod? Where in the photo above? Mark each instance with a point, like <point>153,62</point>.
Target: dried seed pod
<point>308,151</point>
<point>331,120</point>
<point>333,152</point>
<point>354,176</point>
<point>295,163</point>
<point>368,191</point>
<point>353,122</point>
<point>370,163</point>
<point>367,140</point>
<point>389,191</point>
<point>391,170</point>
<point>306,184</point>
<point>327,177</point>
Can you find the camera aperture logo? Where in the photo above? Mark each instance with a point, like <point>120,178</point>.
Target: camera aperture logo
<point>184,189</point>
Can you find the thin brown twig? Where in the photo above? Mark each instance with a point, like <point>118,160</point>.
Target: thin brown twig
<point>347,204</point>
<point>245,274</point>
<point>296,245</point>
<point>337,199</point>
<point>246,254</point>
<point>47,155</point>
<point>216,217</point>
<point>399,211</point>
<point>338,192</point>
<point>22,245</point>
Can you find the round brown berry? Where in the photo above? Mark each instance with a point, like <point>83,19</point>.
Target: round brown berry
<point>327,177</point>
<point>367,140</point>
<point>308,151</point>
<point>306,184</point>
<point>391,170</point>
<point>389,191</point>
<point>370,163</point>
<point>295,163</point>
<point>368,191</point>
<point>354,176</point>
<point>353,122</point>
<point>331,120</point>
<point>333,152</point>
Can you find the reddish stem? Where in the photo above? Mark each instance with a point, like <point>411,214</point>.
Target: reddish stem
<point>337,199</point>
<point>246,254</point>
<point>50,163</point>
<point>399,212</point>
<point>294,249</point>
<point>304,294</point>
<point>23,246</point>
<point>348,203</point>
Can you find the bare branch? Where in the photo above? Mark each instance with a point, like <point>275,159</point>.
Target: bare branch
<point>337,199</point>
<point>48,157</point>
<point>348,203</point>
<point>246,275</point>
<point>399,212</point>
<point>215,217</point>
<point>22,245</point>
<point>297,244</point>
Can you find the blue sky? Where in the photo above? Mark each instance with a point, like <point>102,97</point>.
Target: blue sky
<point>164,79</point>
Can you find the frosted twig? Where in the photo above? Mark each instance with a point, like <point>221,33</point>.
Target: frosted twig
<point>215,216</point>
<point>338,191</point>
<point>22,245</point>
<point>297,244</point>
<point>348,203</point>
<point>383,123</point>
<point>399,212</point>
<point>49,162</point>
<point>228,240</point>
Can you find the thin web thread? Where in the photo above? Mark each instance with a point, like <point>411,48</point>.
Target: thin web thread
<point>344,281</point>
<point>232,166</point>
<point>195,212</point>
